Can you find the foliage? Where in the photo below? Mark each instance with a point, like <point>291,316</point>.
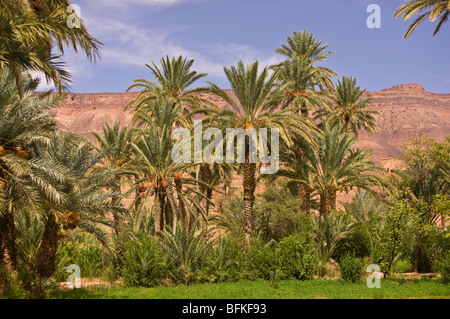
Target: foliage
<point>144,264</point>
<point>224,261</point>
<point>351,268</point>
<point>399,226</point>
<point>297,255</point>
<point>327,233</point>
<point>425,9</point>
<point>277,213</point>
<point>444,267</point>
<point>186,251</point>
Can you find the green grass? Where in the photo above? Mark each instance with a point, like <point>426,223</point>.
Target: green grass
<point>287,289</point>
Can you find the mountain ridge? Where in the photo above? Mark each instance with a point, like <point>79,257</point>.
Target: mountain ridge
<point>405,110</point>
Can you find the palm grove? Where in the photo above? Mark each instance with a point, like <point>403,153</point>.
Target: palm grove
<point>119,206</point>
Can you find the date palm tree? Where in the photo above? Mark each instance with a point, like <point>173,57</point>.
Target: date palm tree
<point>30,30</point>
<point>425,9</point>
<point>87,200</point>
<point>336,167</point>
<point>349,108</point>
<point>172,82</point>
<point>25,120</point>
<point>257,105</point>
<point>160,176</point>
<point>305,46</point>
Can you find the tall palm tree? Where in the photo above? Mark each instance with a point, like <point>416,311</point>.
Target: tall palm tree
<point>25,120</point>
<point>257,106</point>
<point>336,167</point>
<point>305,46</point>
<point>172,82</point>
<point>30,30</point>
<point>302,81</point>
<point>349,108</point>
<point>160,176</point>
<point>87,200</point>
<point>114,142</point>
<point>426,9</point>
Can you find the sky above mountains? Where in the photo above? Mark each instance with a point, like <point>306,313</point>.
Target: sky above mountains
<point>219,33</point>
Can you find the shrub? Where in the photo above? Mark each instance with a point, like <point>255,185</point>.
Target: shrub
<point>262,259</point>
<point>277,213</point>
<point>443,267</point>
<point>143,263</point>
<point>224,260</point>
<point>351,268</point>
<point>296,256</point>
<point>403,265</point>
<point>186,252</point>
<point>90,261</point>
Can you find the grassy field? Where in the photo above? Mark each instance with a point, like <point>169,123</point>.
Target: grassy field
<point>288,289</point>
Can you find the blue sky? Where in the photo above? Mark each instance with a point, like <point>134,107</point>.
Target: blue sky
<point>219,33</point>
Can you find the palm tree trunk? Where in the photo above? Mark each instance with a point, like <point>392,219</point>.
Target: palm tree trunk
<point>333,201</point>
<point>8,240</point>
<point>162,206</point>
<point>205,177</point>
<point>119,243</point>
<point>417,256</point>
<point>249,183</point>
<point>47,252</point>
<point>305,206</point>
<point>184,215</point>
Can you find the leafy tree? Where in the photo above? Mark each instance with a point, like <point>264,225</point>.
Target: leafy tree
<point>172,82</point>
<point>160,176</point>
<point>399,225</point>
<point>305,46</point>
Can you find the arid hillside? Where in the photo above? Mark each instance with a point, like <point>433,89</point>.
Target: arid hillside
<point>405,110</point>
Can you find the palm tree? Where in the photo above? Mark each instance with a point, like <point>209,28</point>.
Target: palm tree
<point>336,167</point>
<point>426,9</point>
<point>29,32</point>
<point>86,201</point>
<point>349,109</point>
<point>257,106</point>
<point>302,80</point>
<point>114,142</point>
<point>172,82</point>
<point>305,46</point>
<point>160,176</point>
<point>25,120</point>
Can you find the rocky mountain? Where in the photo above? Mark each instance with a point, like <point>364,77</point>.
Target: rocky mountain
<point>405,110</point>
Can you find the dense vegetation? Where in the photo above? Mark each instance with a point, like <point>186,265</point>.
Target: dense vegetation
<point>121,208</point>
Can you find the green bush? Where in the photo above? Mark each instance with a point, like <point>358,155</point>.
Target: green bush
<point>296,256</point>
<point>262,259</point>
<point>443,267</point>
<point>351,268</point>
<point>224,260</point>
<point>403,265</point>
<point>143,263</point>
<point>277,213</point>
<point>90,261</point>
<point>186,251</point>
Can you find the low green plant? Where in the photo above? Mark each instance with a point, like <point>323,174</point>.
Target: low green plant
<point>351,268</point>
<point>143,263</point>
<point>186,252</point>
<point>297,256</point>
<point>262,259</point>
<point>224,260</point>
<point>443,267</point>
